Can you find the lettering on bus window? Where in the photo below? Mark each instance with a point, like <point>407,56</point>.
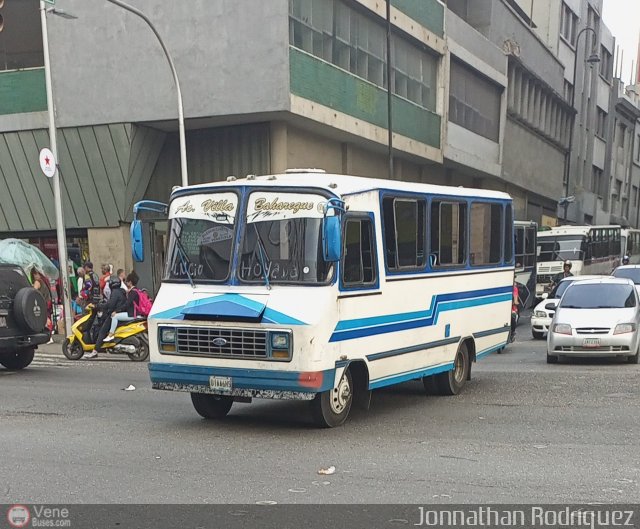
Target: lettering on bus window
<point>485,241</point>
<point>404,233</point>
<point>448,233</point>
<point>358,264</point>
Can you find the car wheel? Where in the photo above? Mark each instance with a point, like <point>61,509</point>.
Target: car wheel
<point>211,406</point>
<point>30,310</point>
<point>633,359</point>
<point>552,359</point>
<point>17,360</point>
<point>537,335</point>
<point>452,382</point>
<point>331,408</point>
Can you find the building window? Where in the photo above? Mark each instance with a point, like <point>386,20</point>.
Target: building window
<point>601,123</point>
<point>638,148</point>
<point>474,101</point>
<point>568,90</point>
<point>485,234</point>
<point>334,31</point>
<point>404,233</point>
<point>622,132</point>
<point>459,7</point>
<point>568,24</point>
<point>635,196</point>
<point>21,38</point>
<point>618,188</point>
<point>358,267</point>
<point>605,63</point>
<point>596,179</point>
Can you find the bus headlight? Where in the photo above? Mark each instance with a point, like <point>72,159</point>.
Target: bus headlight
<point>280,345</point>
<point>168,336</point>
<point>167,340</point>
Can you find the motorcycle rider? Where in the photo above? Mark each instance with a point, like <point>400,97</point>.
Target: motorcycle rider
<point>625,260</point>
<point>117,303</point>
<point>566,272</point>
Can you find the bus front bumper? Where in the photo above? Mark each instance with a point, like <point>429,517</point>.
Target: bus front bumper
<point>240,382</point>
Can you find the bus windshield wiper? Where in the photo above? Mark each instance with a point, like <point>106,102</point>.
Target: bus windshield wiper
<point>262,256</point>
<point>184,257</point>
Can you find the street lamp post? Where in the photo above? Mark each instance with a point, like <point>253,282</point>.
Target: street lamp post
<point>57,195</point>
<point>592,59</point>
<point>183,142</point>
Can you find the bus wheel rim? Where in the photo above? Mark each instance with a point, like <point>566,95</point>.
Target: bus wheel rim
<point>458,372</point>
<point>340,396</point>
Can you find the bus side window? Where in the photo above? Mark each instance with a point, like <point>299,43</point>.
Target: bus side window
<point>449,232</point>
<point>359,262</point>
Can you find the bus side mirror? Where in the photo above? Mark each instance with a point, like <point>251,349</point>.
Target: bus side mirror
<point>332,239</point>
<point>137,244</point>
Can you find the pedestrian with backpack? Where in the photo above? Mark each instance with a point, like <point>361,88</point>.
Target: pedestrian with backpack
<point>95,293</point>
<point>138,305</point>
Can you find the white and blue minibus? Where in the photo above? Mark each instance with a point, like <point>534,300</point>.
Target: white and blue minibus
<point>324,287</point>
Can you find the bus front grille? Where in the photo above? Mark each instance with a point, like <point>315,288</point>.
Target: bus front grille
<point>225,343</point>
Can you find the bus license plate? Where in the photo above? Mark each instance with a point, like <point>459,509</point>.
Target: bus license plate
<point>3,321</point>
<point>591,342</point>
<point>220,383</point>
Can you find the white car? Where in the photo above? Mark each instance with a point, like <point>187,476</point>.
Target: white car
<point>596,317</point>
<point>630,272</point>
<point>541,317</point>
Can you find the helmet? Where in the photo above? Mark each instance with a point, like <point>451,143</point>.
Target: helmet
<point>567,263</point>
<point>625,260</point>
<point>114,282</point>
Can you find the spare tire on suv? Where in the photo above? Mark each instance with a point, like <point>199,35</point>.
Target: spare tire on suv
<point>23,317</point>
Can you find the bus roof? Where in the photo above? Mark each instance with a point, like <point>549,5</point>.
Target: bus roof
<point>571,230</point>
<point>342,185</point>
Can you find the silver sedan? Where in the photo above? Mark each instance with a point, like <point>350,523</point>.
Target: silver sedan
<point>596,317</point>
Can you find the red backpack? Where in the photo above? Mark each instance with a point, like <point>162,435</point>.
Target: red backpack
<point>144,304</point>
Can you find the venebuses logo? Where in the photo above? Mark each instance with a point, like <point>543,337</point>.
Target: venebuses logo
<point>18,516</point>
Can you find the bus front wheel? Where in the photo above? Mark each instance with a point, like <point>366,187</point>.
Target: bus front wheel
<point>331,408</point>
<point>211,406</point>
<point>452,382</point>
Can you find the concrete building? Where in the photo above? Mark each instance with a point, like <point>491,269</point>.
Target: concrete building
<point>538,117</point>
<point>267,86</point>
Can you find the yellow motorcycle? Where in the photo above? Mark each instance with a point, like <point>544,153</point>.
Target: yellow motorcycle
<point>131,338</point>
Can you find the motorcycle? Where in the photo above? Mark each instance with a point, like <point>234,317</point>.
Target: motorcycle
<point>131,338</point>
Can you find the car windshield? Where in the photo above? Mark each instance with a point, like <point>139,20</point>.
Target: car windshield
<point>559,289</point>
<point>561,248</point>
<point>201,230</point>
<point>599,296</point>
<point>628,273</point>
<point>282,242</point>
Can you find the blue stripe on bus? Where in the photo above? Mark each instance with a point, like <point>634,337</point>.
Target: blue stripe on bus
<point>409,375</point>
<point>269,315</point>
<point>361,327</point>
<point>412,349</point>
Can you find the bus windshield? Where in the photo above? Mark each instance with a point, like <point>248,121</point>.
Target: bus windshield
<point>561,247</point>
<point>201,232</point>
<point>282,240</point>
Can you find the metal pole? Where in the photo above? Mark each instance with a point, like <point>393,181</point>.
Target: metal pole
<point>573,121</point>
<point>57,195</point>
<point>183,141</point>
<point>389,91</point>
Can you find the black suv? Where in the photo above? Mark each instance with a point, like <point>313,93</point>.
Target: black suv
<point>23,318</point>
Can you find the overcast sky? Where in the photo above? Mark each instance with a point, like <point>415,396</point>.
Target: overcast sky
<point>622,17</point>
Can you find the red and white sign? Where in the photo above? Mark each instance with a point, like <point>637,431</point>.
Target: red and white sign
<point>18,516</point>
<point>47,162</point>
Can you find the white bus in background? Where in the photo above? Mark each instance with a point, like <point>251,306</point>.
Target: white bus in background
<point>323,287</point>
<point>630,243</point>
<point>591,250</point>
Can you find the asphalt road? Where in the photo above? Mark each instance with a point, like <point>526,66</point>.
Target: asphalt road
<point>523,431</point>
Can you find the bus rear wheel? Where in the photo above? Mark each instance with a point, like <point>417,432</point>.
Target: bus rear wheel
<point>452,382</point>
<point>211,406</point>
<point>331,408</point>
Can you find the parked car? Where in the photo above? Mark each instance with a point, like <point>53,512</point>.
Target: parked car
<point>630,272</point>
<point>595,317</point>
<point>23,318</point>
<point>541,317</point>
